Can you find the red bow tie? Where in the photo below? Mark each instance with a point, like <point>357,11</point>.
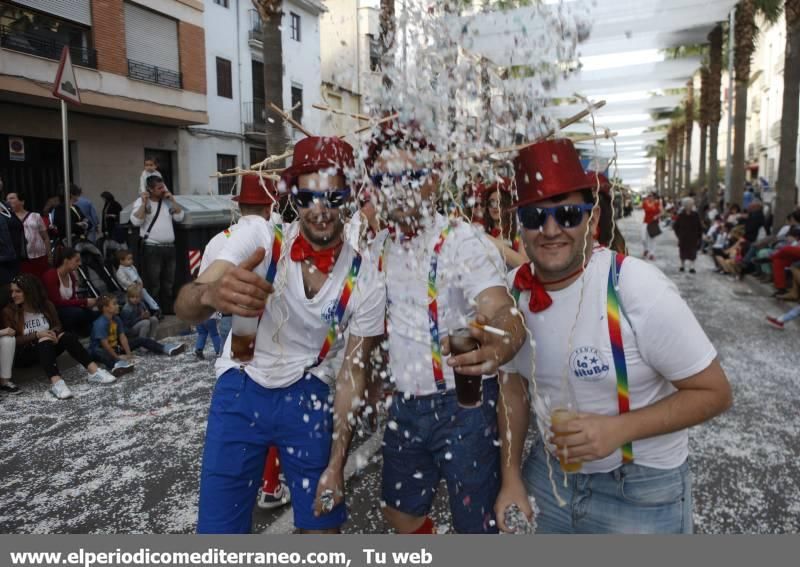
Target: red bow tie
<point>526,280</point>
<point>495,232</point>
<point>323,260</point>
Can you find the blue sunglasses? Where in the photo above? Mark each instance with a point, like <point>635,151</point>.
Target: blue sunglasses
<point>400,176</point>
<point>304,198</point>
<point>567,216</point>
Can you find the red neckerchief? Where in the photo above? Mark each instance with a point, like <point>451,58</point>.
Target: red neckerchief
<point>323,260</point>
<point>495,233</point>
<point>527,280</point>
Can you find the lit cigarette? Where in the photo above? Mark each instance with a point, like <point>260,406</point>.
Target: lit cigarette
<point>488,329</point>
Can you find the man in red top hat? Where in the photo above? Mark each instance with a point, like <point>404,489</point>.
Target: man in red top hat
<point>307,286</point>
<point>620,360</point>
<point>441,276</point>
<point>256,198</point>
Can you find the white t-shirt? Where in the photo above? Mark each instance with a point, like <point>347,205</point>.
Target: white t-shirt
<point>216,244</point>
<point>468,264</point>
<point>162,231</point>
<point>293,328</point>
<point>35,322</point>
<point>668,345</point>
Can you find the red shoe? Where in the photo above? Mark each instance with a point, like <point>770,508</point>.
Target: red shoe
<point>775,323</point>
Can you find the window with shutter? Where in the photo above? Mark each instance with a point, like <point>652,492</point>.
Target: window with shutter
<point>151,40</point>
<point>225,162</point>
<point>224,78</point>
<point>76,10</point>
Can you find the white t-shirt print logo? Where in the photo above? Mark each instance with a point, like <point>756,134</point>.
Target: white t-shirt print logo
<point>329,312</point>
<point>588,364</point>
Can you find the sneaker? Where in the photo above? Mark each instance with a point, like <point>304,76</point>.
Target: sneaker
<point>651,257</point>
<point>199,354</point>
<point>692,271</point>
<point>775,323</point>
<point>60,390</point>
<point>102,376</point>
<point>121,368</point>
<point>9,387</point>
<point>174,349</point>
<point>268,501</point>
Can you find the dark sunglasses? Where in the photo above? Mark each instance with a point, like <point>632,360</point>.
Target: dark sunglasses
<point>567,216</point>
<point>400,176</point>
<point>304,198</point>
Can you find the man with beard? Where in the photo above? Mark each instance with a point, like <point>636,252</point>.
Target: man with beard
<point>614,338</point>
<point>305,298</point>
<point>440,275</point>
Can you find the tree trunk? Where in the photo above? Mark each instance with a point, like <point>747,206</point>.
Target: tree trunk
<point>276,136</point>
<point>679,183</point>
<point>745,42</point>
<point>786,188</point>
<point>714,109</point>
<point>689,111</point>
<point>703,123</point>
<point>387,38</point>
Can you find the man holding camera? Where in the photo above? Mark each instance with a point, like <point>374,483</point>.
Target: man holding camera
<point>153,213</point>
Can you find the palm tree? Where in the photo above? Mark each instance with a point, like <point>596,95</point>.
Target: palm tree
<point>271,14</point>
<point>702,121</point>
<point>745,33</point>
<point>387,37</point>
<point>688,113</point>
<point>786,198</point>
<point>714,105</point>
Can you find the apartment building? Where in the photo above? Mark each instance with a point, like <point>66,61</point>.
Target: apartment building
<point>234,65</point>
<point>140,68</point>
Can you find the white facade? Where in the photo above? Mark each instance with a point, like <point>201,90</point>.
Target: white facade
<point>233,129</point>
<point>347,30</point>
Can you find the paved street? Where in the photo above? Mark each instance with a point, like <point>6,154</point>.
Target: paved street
<point>125,457</point>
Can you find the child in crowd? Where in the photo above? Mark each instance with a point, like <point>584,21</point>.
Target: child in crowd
<point>136,317</point>
<point>110,344</point>
<point>127,275</point>
<point>208,328</point>
<point>150,168</point>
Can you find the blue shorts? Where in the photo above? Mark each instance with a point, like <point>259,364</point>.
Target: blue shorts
<point>244,420</point>
<point>428,438</point>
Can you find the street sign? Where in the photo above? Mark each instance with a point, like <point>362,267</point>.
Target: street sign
<point>16,148</point>
<point>65,86</point>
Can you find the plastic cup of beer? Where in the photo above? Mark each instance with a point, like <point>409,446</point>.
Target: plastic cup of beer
<point>468,388</point>
<point>560,416</point>
<point>243,338</point>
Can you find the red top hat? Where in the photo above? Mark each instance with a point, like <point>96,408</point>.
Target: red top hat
<point>407,135</point>
<point>547,169</point>
<point>317,153</point>
<point>252,192</point>
<point>598,178</point>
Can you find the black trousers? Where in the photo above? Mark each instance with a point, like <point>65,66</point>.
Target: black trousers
<point>45,354</point>
<point>158,263</point>
<point>77,320</point>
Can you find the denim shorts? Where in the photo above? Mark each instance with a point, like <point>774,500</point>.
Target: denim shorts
<point>627,500</point>
<point>245,419</point>
<point>428,438</point>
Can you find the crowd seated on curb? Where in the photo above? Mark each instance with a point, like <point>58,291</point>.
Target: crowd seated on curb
<point>51,294</point>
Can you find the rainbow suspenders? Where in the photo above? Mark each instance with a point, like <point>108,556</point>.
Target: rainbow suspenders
<point>613,312</point>
<point>433,307</point>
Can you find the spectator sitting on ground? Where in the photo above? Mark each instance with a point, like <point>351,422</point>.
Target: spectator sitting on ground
<point>128,275</point>
<point>75,313</point>
<point>138,320</point>
<point>753,221</point>
<point>721,244</point>
<point>110,344</point>
<point>40,337</point>
<point>788,255</point>
<point>8,345</point>
<point>734,214</point>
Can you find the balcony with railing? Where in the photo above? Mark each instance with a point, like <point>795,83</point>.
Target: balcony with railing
<point>35,44</point>
<point>152,74</point>
<point>255,117</point>
<point>256,29</point>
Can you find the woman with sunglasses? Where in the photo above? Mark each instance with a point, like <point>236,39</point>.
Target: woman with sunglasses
<point>310,298</point>
<point>61,283</point>
<point>500,222</point>
<point>618,352</point>
<point>40,338</point>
